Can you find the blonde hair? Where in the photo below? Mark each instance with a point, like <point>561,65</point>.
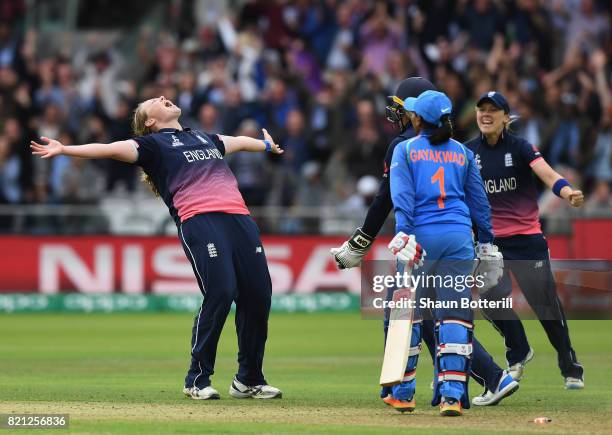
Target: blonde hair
<point>140,129</point>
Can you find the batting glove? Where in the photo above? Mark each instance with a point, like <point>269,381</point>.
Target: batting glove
<point>353,250</point>
<point>407,251</point>
<point>490,265</point>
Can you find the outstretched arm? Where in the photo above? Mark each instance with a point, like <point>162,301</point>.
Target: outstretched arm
<point>123,150</point>
<point>357,246</point>
<point>381,205</point>
<point>550,177</point>
<point>245,143</point>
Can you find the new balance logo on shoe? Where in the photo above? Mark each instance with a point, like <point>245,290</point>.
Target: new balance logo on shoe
<point>264,391</point>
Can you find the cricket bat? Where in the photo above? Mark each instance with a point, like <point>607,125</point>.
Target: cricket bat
<point>399,334</point>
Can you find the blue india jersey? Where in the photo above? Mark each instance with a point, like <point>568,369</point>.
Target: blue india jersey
<point>438,184</point>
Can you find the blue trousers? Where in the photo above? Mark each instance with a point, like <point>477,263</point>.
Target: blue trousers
<point>451,254</point>
<point>484,369</point>
<point>230,265</point>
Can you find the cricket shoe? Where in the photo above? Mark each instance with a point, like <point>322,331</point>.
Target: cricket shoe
<point>506,387</point>
<point>574,383</point>
<point>516,370</point>
<point>241,391</point>
<point>450,407</point>
<point>206,393</point>
<point>400,405</point>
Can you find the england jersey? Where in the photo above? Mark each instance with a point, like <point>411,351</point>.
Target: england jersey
<point>508,179</point>
<point>188,170</point>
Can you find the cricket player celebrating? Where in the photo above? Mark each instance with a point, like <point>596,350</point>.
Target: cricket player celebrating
<point>483,368</point>
<point>221,241</point>
<point>506,164</point>
<point>436,189</point>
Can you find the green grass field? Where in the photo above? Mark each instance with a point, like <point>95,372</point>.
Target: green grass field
<point>123,373</point>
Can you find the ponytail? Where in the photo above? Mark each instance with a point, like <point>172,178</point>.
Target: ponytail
<point>140,129</point>
<point>440,134</point>
<point>513,118</point>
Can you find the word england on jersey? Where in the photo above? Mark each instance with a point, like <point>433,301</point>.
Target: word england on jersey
<point>202,154</point>
<point>500,185</point>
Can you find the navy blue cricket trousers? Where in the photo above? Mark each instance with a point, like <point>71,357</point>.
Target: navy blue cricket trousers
<point>230,265</point>
<point>526,256</point>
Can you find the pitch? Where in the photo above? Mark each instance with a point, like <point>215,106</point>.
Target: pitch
<point>124,372</point>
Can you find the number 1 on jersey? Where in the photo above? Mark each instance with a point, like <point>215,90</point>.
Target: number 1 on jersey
<point>439,177</point>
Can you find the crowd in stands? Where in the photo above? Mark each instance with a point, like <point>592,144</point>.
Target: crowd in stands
<point>316,74</point>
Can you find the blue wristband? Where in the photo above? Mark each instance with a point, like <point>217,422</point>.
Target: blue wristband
<point>560,184</point>
<point>268,145</point>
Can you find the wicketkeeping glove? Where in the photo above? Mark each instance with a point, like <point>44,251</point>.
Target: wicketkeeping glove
<point>490,265</point>
<point>407,251</point>
<point>353,250</point>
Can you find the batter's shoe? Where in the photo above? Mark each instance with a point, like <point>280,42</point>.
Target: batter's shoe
<point>574,383</point>
<point>450,407</point>
<point>241,391</point>
<point>206,393</point>
<point>506,387</point>
<point>516,370</point>
<point>400,405</point>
